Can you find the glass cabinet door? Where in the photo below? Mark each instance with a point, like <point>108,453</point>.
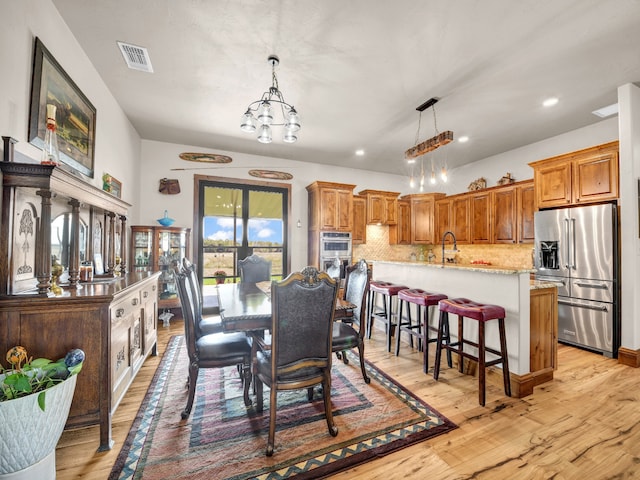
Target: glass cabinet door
<point>171,250</point>
<point>142,250</point>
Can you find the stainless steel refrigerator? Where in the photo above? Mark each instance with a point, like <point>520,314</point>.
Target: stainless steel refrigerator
<point>577,248</point>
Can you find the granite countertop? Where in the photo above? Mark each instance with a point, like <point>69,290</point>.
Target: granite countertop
<point>469,267</point>
<point>539,284</point>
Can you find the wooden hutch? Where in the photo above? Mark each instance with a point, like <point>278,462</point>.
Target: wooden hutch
<point>113,317</point>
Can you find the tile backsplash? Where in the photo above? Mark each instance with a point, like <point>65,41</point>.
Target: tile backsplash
<point>378,248</point>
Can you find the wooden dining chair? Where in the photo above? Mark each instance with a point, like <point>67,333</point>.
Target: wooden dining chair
<point>214,350</point>
<point>254,269</point>
<point>299,356</point>
<point>350,334</point>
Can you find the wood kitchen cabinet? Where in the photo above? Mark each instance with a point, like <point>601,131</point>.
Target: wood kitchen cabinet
<point>400,233</point>
<point>423,228</point>
<point>513,208</point>
<point>359,232</point>
<point>330,206</point>
<point>481,220</point>
<point>461,218</point>
<point>159,249</point>
<point>443,218</point>
<point>543,349</point>
<point>382,207</point>
<point>581,177</point>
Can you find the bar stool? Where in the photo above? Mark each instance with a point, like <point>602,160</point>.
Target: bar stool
<point>420,298</point>
<point>388,290</point>
<point>464,307</point>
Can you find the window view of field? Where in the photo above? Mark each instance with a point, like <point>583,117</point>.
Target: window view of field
<point>240,220</point>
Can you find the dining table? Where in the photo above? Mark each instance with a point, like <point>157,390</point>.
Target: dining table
<point>246,307</point>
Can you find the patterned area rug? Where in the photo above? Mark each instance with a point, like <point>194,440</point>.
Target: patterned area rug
<point>223,439</point>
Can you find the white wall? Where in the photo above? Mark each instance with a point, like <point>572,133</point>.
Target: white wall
<point>629,106</point>
<point>158,159</point>
<point>117,148</point>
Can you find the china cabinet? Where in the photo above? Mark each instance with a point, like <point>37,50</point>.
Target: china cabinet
<point>160,249</point>
<point>51,216</point>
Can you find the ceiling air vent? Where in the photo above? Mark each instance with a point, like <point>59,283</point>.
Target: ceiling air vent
<point>137,58</point>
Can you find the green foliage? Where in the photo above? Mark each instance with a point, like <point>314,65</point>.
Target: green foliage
<point>27,376</point>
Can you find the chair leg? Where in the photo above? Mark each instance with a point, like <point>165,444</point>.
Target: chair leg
<point>259,393</point>
<point>326,394</point>
<point>460,344</point>
<point>505,358</point>
<point>400,305</point>
<point>444,320</point>
<point>481,364</point>
<point>246,379</point>
<point>193,378</point>
<point>389,322</point>
<point>361,354</point>
<point>273,403</point>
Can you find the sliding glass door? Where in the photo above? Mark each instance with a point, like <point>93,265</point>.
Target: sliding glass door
<point>238,220</point>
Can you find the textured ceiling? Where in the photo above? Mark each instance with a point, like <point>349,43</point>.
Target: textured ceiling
<point>356,70</point>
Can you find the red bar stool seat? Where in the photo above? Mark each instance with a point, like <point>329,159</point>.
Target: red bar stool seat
<point>388,290</point>
<point>423,300</point>
<point>482,313</point>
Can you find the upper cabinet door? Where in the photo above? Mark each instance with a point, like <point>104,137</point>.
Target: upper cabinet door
<point>553,184</point>
<point>526,208</point>
<point>359,232</point>
<point>596,177</point>
<point>460,218</point>
<point>481,218</point>
<point>504,216</point>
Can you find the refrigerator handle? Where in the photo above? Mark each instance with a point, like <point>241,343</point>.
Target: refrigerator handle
<point>566,238</point>
<point>573,241</point>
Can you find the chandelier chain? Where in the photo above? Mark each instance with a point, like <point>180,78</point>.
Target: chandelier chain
<point>418,131</point>
<point>435,120</point>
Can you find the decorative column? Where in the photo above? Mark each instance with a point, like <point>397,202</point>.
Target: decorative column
<point>43,243</point>
<point>74,243</point>
<point>111,254</point>
<point>123,244</point>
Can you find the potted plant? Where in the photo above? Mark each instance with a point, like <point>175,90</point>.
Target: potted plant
<point>220,275</point>
<point>35,398</point>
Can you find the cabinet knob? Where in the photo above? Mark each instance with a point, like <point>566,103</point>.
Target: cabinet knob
<point>119,312</point>
<point>134,301</point>
<point>154,288</point>
<point>145,294</point>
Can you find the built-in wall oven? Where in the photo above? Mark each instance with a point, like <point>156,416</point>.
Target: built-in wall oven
<point>335,245</point>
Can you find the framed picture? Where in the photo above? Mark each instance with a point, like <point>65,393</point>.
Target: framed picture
<point>111,185</point>
<point>75,115</point>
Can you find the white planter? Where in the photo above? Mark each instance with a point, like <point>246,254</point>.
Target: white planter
<point>28,436</point>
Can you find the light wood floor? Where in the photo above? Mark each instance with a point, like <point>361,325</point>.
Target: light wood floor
<point>583,425</point>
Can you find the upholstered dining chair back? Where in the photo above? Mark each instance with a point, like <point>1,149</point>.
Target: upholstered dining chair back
<point>356,285</point>
<point>203,324</point>
<point>333,270</point>
<point>303,306</point>
<point>254,269</point>
<point>303,309</point>
<point>213,350</point>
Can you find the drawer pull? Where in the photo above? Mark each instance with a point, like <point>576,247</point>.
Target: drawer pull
<point>134,301</point>
<point>119,312</point>
<point>145,294</point>
<point>154,288</point>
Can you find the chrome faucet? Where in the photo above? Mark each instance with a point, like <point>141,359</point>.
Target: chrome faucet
<point>455,243</point>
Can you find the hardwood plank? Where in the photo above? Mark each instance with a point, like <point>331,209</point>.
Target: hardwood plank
<point>583,423</point>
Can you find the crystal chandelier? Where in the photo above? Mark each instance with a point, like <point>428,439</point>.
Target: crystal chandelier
<point>267,107</point>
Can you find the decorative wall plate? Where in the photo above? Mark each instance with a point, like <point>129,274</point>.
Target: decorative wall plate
<point>271,174</point>
<point>205,157</point>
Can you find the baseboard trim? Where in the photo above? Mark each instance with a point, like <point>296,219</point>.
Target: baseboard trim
<point>629,357</point>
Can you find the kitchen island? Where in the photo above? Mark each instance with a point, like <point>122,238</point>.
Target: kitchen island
<point>531,310</point>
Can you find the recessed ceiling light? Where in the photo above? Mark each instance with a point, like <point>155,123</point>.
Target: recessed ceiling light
<point>463,139</point>
<point>411,160</point>
<point>606,111</point>
<point>360,152</point>
<point>550,102</point>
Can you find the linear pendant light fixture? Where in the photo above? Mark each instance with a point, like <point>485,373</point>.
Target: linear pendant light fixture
<point>267,107</point>
<point>437,141</point>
